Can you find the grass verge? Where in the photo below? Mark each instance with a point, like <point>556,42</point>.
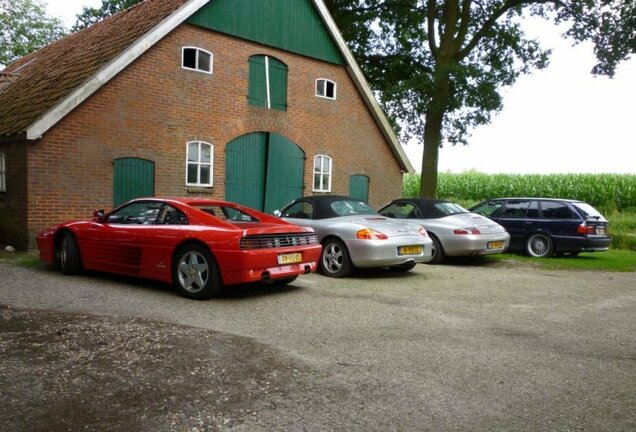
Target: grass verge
<point>618,260</point>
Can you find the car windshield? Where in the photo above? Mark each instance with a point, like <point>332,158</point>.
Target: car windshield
<point>349,208</point>
<point>588,211</point>
<point>449,208</point>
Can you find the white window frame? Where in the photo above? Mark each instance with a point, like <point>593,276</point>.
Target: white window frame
<point>323,82</point>
<point>322,173</point>
<point>200,164</point>
<point>3,173</point>
<point>196,67</point>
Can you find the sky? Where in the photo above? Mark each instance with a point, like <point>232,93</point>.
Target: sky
<point>558,120</point>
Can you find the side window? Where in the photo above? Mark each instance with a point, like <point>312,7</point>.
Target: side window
<point>171,216</point>
<point>533,210</point>
<point>3,174</point>
<point>555,210</point>
<point>489,208</point>
<point>401,211</point>
<point>196,59</point>
<point>322,173</point>
<point>515,209</point>
<point>199,162</point>
<point>325,88</point>
<point>137,213</point>
<point>267,83</point>
<point>300,210</point>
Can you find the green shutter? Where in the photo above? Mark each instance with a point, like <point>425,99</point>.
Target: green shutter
<point>257,89</point>
<point>285,172</point>
<point>277,84</point>
<point>359,187</point>
<point>245,170</point>
<point>291,25</point>
<point>132,178</point>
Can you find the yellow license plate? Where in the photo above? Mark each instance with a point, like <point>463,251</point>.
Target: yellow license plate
<point>496,245</point>
<point>410,250</point>
<point>290,258</point>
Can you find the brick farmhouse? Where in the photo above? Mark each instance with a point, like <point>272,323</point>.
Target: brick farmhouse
<point>253,101</point>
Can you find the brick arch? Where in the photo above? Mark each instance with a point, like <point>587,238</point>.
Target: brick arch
<point>263,124</point>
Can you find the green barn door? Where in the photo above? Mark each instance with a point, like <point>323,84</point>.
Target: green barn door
<point>263,171</point>
<point>359,187</point>
<point>132,178</point>
<point>285,172</point>
<point>246,158</point>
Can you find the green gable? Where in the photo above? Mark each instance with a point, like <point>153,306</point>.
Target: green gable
<point>291,25</point>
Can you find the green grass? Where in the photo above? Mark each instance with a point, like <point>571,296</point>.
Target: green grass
<point>24,259</point>
<point>613,260</point>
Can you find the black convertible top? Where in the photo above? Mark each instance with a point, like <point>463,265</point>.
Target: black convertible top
<point>322,204</point>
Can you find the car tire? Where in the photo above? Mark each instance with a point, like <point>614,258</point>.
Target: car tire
<point>195,273</point>
<point>438,251</point>
<point>539,245</point>
<point>334,260</point>
<point>69,253</point>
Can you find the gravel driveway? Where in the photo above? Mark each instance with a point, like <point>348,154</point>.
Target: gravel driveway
<point>442,348</point>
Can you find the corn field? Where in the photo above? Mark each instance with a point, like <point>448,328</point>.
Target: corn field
<point>607,192</point>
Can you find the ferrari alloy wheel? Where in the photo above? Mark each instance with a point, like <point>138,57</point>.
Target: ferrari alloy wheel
<point>69,255</point>
<point>335,261</point>
<point>195,273</point>
<point>539,245</point>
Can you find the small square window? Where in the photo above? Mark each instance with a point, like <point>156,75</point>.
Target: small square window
<point>199,160</point>
<point>196,59</point>
<point>325,88</point>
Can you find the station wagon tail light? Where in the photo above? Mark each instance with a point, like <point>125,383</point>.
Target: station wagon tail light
<point>369,234</point>
<point>585,229</point>
<point>422,232</point>
<point>466,231</point>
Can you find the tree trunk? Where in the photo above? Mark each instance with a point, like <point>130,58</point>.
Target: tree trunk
<point>433,136</point>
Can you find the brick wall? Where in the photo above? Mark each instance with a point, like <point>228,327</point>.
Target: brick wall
<point>13,209</point>
<point>154,107</point>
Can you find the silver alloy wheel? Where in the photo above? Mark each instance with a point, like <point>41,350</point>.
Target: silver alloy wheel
<point>193,271</point>
<point>539,245</point>
<point>333,258</point>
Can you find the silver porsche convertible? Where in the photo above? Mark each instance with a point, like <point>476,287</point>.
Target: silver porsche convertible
<point>454,230</point>
<point>354,235</point>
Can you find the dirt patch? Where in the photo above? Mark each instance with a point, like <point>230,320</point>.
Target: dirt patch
<point>68,372</point>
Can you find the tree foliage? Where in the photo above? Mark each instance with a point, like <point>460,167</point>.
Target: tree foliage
<point>25,27</point>
<point>439,65</point>
<point>109,7</point>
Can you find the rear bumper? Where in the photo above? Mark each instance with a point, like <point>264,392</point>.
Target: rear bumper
<point>248,266</point>
<point>469,245</point>
<point>384,253</point>
<point>581,244</point>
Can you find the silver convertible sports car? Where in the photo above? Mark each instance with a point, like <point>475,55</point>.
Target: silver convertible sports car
<point>454,230</point>
<point>354,235</point>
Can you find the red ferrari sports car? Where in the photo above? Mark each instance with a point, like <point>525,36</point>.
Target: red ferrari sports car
<point>199,245</point>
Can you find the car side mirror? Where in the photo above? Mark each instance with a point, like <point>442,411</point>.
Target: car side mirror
<point>99,215</point>
<point>277,213</point>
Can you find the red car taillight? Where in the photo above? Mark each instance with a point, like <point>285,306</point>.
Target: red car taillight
<point>466,231</point>
<point>369,234</point>
<point>585,229</point>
